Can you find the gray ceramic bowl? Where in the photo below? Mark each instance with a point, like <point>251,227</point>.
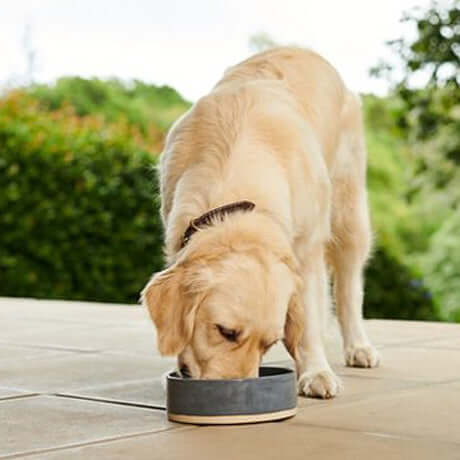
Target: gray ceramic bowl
<point>272,396</point>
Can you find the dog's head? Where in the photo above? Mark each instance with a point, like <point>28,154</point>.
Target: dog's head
<point>220,311</point>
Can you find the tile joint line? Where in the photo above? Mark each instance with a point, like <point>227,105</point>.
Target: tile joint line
<point>108,401</point>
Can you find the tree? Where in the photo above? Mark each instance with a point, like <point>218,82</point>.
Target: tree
<point>431,112</point>
<point>430,121</point>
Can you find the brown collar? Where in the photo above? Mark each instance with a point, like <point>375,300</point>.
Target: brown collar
<point>207,218</point>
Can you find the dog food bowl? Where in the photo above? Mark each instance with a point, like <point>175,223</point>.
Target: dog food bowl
<point>271,396</point>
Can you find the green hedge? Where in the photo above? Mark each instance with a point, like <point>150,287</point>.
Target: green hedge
<point>393,290</point>
<point>147,106</point>
<point>77,214</point>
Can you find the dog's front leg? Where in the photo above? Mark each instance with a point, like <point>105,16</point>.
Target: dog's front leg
<point>316,378</point>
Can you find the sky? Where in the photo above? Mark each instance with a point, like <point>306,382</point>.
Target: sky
<point>188,44</point>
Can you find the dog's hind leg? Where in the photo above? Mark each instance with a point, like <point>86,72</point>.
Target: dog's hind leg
<point>351,239</point>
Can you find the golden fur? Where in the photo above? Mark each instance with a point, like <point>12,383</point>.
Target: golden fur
<point>281,130</point>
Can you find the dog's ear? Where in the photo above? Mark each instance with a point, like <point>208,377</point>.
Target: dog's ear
<point>294,326</point>
<point>171,308</point>
<point>295,316</point>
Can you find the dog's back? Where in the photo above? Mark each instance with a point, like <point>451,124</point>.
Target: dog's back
<point>289,101</point>
<point>315,84</point>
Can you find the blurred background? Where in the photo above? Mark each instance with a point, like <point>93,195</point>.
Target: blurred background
<point>89,89</point>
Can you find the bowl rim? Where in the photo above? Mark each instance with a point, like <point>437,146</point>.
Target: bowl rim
<point>286,371</point>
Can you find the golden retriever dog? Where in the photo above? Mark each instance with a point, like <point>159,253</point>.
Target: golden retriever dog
<point>263,188</point>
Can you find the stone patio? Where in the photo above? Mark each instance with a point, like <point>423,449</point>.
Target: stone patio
<point>82,381</point>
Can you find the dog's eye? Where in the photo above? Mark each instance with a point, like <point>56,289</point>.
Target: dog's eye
<point>230,334</point>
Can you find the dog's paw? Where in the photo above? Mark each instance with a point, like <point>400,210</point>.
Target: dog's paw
<point>321,384</point>
<point>362,356</point>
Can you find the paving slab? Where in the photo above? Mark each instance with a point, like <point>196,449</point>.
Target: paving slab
<point>356,389</point>
<point>132,339</point>
<point>148,392</point>
<point>84,326</point>
<point>71,371</point>
<point>98,372</point>
<point>452,343</point>
<point>273,441</point>
<point>429,412</point>
<point>413,363</point>
<point>53,311</point>
<point>42,422</point>
<point>392,332</point>
<point>24,353</point>
<point>454,386</point>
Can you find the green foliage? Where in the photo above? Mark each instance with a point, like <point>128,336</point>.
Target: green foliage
<point>147,106</point>
<point>394,285</point>
<point>389,170</point>
<point>431,112</point>
<point>393,290</point>
<point>429,121</point>
<point>437,41</point>
<point>77,215</point>
<point>441,263</point>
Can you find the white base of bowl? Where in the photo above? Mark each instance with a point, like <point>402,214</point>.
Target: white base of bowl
<point>232,419</point>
